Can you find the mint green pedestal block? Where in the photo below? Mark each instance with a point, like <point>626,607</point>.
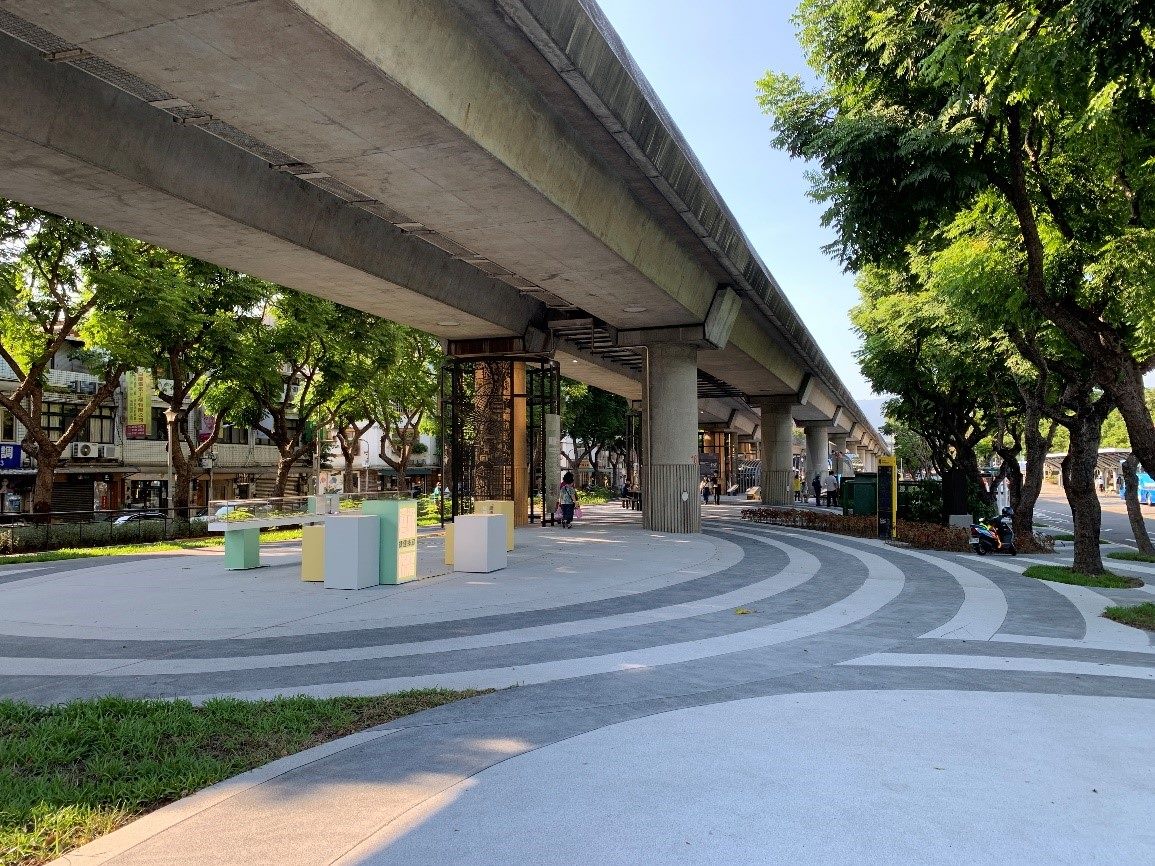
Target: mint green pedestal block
<point>242,549</point>
<point>398,537</point>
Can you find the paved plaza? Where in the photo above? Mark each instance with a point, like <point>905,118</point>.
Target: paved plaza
<point>747,695</point>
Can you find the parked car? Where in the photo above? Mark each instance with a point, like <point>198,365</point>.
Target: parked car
<point>1146,489</point>
<point>138,515</point>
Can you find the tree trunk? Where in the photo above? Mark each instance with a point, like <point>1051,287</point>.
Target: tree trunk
<point>284,467</point>
<point>182,477</point>
<point>1130,397</point>
<point>1082,495</point>
<point>1134,509</point>
<point>42,487</point>
<point>1032,483</point>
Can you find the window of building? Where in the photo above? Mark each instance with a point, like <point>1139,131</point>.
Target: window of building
<point>159,424</point>
<point>55,417</point>
<point>102,425</point>
<point>7,426</point>
<point>233,435</point>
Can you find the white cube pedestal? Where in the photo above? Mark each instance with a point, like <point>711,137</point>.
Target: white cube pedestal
<point>479,543</point>
<point>352,552</point>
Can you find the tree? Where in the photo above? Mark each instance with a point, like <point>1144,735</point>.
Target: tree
<point>194,332</point>
<point>910,449</point>
<point>949,383</point>
<point>594,420</point>
<point>61,281</point>
<point>308,350</point>
<point>1045,106</point>
<point>403,399</point>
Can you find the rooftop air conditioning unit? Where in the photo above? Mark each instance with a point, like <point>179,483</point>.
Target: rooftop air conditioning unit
<point>110,452</point>
<point>85,450</point>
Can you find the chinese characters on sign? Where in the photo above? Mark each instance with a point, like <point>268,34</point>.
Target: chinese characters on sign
<point>10,456</point>
<point>138,404</point>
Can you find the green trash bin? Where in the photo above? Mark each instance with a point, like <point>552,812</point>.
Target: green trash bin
<point>859,494</point>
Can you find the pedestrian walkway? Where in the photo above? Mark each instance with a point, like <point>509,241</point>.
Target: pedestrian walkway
<point>749,695</point>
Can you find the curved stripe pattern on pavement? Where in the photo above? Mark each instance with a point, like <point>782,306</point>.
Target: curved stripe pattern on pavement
<point>763,621</point>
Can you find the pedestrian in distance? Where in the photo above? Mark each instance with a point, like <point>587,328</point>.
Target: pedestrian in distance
<point>830,486</point>
<point>567,500</point>
<point>817,485</point>
<point>797,486</point>
<point>717,490</point>
<point>704,490</point>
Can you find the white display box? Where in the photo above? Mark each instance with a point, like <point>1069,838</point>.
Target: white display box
<point>352,552</point>
<point>479,543</point>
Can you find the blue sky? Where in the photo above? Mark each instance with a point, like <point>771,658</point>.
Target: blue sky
<point>702,58</point>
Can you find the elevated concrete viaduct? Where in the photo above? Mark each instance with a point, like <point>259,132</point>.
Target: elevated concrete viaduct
<point>474,168</point>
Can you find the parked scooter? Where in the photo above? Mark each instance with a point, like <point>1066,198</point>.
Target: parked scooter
<point>994,536</point>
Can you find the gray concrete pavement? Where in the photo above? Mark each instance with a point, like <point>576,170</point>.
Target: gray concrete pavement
<point>867,702</point>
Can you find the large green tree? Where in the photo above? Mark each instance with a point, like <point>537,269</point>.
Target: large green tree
<point>61,282</point>
<point>1047,106</point>
<point>308,354</point>
<point>194,332</point>
<point>403,399</point>
<point>594,421</point>
<point>949,383</point>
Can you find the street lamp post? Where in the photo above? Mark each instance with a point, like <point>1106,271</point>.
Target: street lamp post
<point>170,416</point>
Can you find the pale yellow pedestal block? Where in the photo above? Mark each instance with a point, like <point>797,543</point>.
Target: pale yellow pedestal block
<point>498,506</point>
<point>313,552</point>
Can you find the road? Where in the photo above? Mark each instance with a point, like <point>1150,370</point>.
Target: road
<point>1052,510</point>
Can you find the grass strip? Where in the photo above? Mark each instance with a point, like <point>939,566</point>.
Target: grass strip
<point>139,549</point>
<point>73,772</point>
<point>1132,555</point>
<point>1063,574</point>
<point>1137,615</point>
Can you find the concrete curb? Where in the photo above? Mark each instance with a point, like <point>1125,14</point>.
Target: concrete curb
<point>145,827</point>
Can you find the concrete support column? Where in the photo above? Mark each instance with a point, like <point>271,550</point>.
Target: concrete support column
<point>841,464</point>
<point>670,500</point>
<point>862,459</point>
<point>777,450</point>
<point>817,450</point>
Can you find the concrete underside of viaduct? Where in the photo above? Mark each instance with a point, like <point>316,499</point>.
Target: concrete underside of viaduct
<point>448,165</point>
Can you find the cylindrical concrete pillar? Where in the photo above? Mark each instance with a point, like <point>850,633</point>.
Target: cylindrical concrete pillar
<point>777,451</point>
<point>670,501</point>
<point>817,450</point>
<point>862,458</point>
<point>841,464</point>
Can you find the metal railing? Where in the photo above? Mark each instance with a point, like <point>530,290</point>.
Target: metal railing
<point>54,530</point>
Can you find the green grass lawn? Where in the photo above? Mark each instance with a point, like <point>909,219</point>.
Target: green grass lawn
<point>1132,555</point>
<point>138,549</point>
<point>71,773</point>
<point>1063,574</point>
<point>1137,615</point>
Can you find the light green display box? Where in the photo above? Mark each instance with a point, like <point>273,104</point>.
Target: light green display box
<point>398,538</point>
<point>242,549</point>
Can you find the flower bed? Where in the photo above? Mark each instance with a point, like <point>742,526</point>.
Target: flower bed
<point>926,536</point>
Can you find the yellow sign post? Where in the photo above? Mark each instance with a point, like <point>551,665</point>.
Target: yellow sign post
<point>887,498</point>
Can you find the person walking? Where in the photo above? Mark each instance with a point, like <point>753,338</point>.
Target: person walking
<point>717,484</point>
<point>567,500</point>
<point>830,486</point>
<point>817,485</point>
<point>704,490</point>
<point>797,486</point>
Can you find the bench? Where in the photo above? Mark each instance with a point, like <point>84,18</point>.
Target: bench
<point>243,537</point>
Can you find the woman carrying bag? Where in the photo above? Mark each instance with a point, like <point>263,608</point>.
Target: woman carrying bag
<point>567,500</point>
